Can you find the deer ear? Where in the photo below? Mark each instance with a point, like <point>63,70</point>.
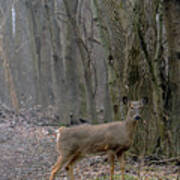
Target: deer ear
<point>145,100</point>
<point>125,100</point>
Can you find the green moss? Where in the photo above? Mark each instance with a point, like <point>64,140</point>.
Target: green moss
<point>134,75</point>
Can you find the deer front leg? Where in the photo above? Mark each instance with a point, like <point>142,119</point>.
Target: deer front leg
<point>56,167</point>
<point>111,161</point>
<point>122,165</point>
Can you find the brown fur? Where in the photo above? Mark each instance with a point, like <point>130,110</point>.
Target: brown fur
<point>112,139</point>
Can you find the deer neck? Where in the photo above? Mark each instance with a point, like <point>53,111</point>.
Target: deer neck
<point>130,124</point>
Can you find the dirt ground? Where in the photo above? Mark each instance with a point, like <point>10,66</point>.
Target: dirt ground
<point>27,151</point>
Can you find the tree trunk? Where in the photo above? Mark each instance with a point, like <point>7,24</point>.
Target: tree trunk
<point>71,67</point>
<point>86,60</point>
<point>57,65</point>
<point>172,19</point>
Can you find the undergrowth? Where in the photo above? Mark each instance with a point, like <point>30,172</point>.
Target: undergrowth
<point>130,177</point>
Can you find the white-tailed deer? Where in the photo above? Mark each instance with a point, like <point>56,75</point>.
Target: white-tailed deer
<point>112,139</point>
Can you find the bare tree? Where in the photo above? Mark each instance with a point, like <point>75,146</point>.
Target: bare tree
<point>86,61</point>
<point>7,69</point>
<point>172,18</point>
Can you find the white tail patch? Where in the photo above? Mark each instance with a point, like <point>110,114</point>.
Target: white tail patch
<point>58,135</point>
<point>58,132</point>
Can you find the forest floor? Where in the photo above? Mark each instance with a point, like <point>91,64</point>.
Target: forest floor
<point>27,152</point>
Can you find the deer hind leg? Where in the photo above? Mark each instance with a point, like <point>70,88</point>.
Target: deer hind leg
<point>69,169</point>
<point>58,165</point>
<point>111,161</point>
<point>122,164</point>
<point>69,166</point>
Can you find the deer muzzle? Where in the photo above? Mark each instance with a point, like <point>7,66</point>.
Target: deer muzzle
<point>137,117</point>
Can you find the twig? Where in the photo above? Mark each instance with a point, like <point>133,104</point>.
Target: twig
<point>173,159</point>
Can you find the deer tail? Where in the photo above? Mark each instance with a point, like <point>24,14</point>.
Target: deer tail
<point>58,133</point>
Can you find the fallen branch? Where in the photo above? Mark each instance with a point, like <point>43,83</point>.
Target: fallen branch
<point>173,159</point>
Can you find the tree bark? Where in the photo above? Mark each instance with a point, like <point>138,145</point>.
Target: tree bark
<point>86,61</point>
<point>172,19</point>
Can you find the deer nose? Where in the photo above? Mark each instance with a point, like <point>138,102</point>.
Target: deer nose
<point>137,117</point>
